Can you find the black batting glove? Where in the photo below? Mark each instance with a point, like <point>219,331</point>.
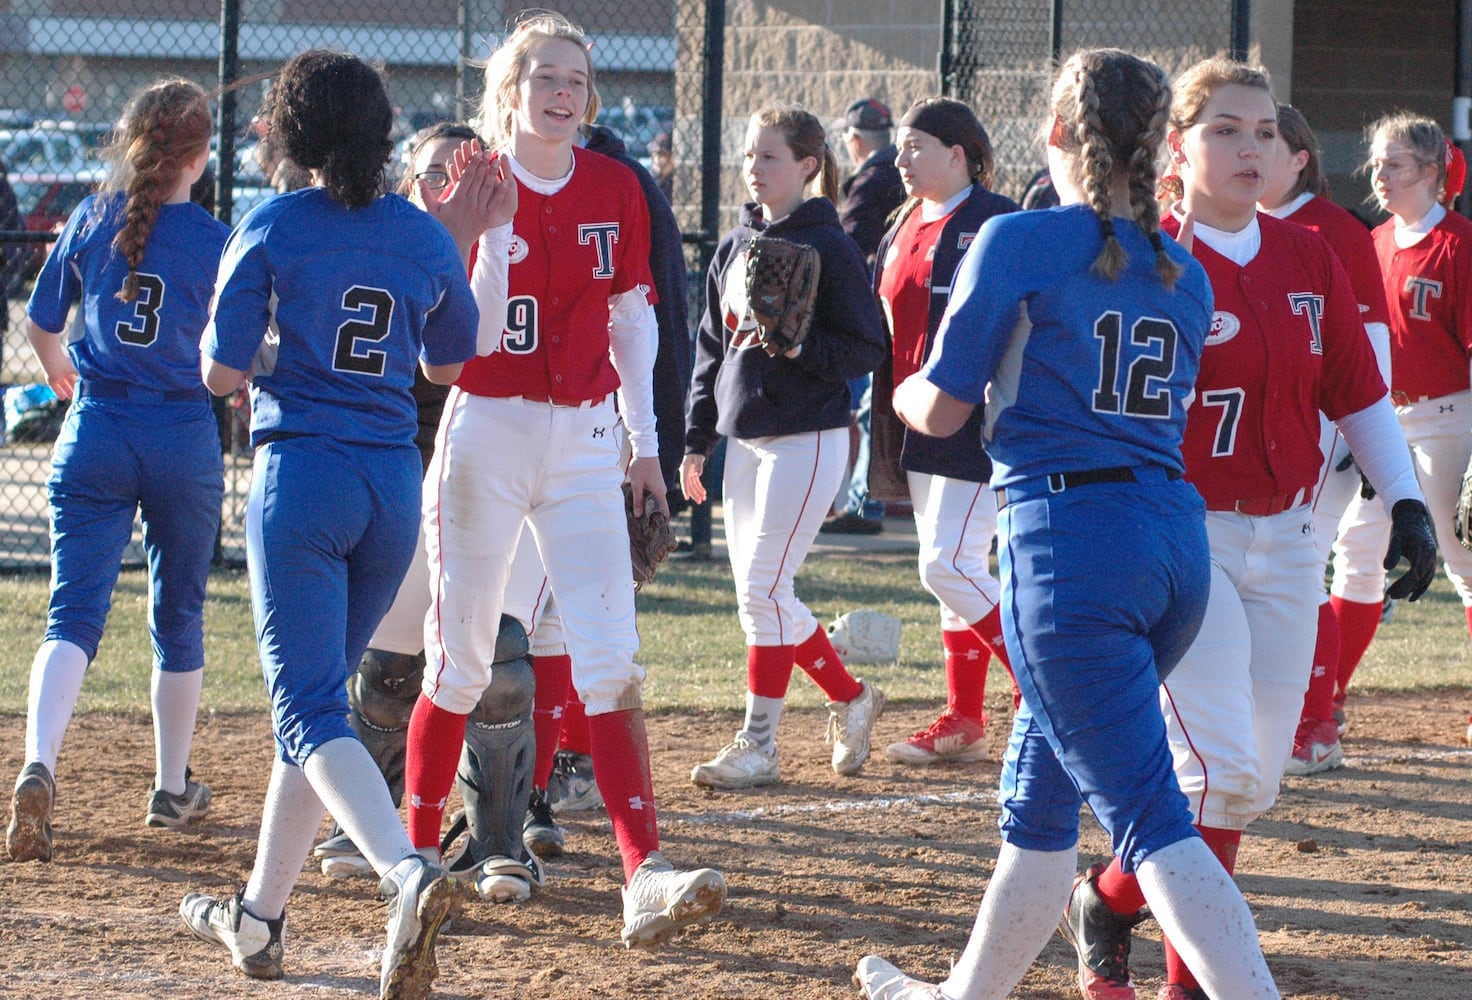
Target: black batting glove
<point>1367,492</point>
<point>1411,539</point>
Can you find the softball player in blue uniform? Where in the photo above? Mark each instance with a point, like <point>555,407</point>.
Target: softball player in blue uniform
<point>1081,328</point>
<point>328,297</point>
<point>139,260</point>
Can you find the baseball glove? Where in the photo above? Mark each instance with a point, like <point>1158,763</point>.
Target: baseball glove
<point>781,288</point>
<point>650,537</point>
<point>1462,525</point>
<point>865,636</point>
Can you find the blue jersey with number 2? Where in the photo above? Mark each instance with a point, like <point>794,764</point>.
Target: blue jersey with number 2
<point>331,329</point>
<point>1077,372</point>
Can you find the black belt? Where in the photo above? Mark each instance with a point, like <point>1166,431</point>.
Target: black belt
<point>1057,482</point>
<point>99,388</point>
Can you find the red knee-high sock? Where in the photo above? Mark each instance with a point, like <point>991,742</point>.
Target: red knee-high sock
<point>430,759</point>
<point>966,662</point>
<point>554,679</point>
<point>1469,620</point>
<point>769,670</point>
<point>620,750</point>
<point>574,725</point>
<point>1120,890</point>
<point>1223,844</point>
<point>1357,625</point>
<point>1318,702</point>
<point>989,629</point>
<point>816,656</point>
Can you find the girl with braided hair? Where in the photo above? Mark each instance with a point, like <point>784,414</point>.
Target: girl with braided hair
<point>140,260</point>
<point>1082,328</point>
<point>1287,343</point>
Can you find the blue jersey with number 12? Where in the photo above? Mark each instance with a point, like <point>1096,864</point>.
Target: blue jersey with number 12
<point>330,310</point>
<point>153,341</point>
<point>1077,372</point>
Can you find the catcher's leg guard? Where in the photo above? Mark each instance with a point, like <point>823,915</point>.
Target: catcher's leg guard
<point>381,698</point>
<point>495,775</point>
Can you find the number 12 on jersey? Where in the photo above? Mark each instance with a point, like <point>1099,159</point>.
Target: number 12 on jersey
<point>1145,391</point>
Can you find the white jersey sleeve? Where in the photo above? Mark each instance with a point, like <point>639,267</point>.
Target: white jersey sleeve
<point>633,340</point>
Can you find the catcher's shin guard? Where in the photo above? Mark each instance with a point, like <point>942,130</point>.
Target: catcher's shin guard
<point>495,774</point>
<point>381,698</point>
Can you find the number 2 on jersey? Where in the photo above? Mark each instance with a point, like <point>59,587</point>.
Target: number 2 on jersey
<point>375,309</point>
<point>1147,378</point>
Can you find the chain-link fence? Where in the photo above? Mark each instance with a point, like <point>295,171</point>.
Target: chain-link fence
<point>64,79</point>
<point>998,56</point>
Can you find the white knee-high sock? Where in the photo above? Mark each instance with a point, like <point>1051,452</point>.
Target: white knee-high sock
<point>352,788</point>
<point>762,716</point>
<point>1019,912</point>
<point>1200,909</point>
<point>175,707</point>
<point>56,683</point>
<point>289,821</point>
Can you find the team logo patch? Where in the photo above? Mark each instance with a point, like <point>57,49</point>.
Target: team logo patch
<point>1224,326</point>
<point>518,249</point>
<point>964,240</point>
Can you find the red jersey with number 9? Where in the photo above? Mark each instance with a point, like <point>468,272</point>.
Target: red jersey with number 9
<point>1286,342</point>
<point>570,253</point>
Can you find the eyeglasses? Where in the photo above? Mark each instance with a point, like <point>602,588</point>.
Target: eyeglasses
<point>435,180</point>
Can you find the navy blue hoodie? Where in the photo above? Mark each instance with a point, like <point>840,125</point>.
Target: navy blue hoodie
<point>737,390</point>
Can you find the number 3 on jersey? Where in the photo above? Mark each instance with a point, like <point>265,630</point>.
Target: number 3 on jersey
<point>1146,390</point>
<point>142,329</point>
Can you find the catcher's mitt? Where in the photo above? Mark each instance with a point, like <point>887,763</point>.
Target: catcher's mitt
<point>781,288</point>
<point>1462,524</point>
<point>865,636</point>
<point>650,537</point>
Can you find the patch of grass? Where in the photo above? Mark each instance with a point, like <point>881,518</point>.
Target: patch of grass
<point>692,645</point>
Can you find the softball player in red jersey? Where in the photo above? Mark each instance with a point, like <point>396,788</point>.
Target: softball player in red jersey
<point>136,265</point>
<point>1084,428</point>
<point>1287,343</point>
<point>1425,253</point>
<point>786,421</point>
<point>1296,191</point>
<point>945,161</point>
<point>529,437</point>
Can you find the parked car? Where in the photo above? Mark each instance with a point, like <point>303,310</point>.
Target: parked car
<point>50,148</point>
<point>46,200</point>
<point>637,124</point>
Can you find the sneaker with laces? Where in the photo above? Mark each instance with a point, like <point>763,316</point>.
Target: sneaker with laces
<point>176,811</point>
<point>255,944</point>
<point>539,831</point>
<point>1175,991</point>
<point>28,837</point>
<point>740,764</point>
<point>341,858</point>
<point>1316,748</point>
<point>948,739</point>
<point>659,900</point>
<point>1101,938</point>
<point>850,724</point>
<point>421,897</point>
<point>572,787</point>
<point>500,879</point>
<point>880,980</point>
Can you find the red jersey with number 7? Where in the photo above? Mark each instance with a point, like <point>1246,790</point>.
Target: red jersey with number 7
<point>1286,342</point>
<point>570,253</point>
<point>1427,286</point>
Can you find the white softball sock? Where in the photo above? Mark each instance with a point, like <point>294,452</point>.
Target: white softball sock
<point>352,788</point>
<point>1200,909</point>
<point>290,818</point>
<point>762,716</point>
<point>1019,912</point>
<point>175,708</point>
<point>56,683</point>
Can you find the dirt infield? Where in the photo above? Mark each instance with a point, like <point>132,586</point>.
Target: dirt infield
<point>1361,880</point>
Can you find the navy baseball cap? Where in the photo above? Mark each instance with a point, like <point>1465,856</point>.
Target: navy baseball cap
<point>868,115</point>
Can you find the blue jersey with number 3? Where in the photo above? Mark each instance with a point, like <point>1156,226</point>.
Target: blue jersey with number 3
<point>330,309</point>
<point>153,341</point>
<point>1077,372</point>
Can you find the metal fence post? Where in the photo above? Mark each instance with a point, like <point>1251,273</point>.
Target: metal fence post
<point>229,73</point>
<point>710,129</point>
<point>1241,29</point>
